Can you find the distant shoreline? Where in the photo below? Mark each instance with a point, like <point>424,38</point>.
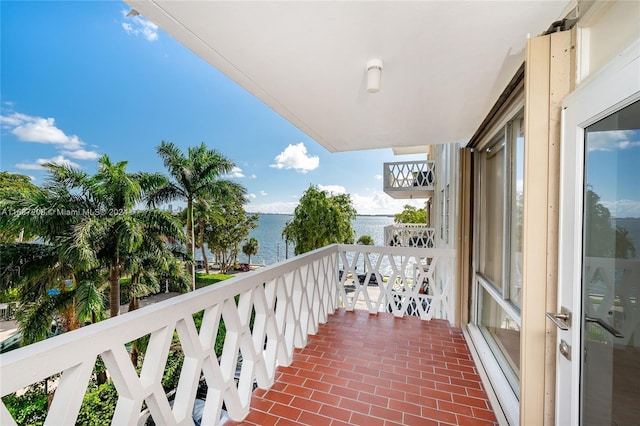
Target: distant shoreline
<point>291,214</point>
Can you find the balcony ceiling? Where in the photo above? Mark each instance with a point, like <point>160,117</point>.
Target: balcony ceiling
<point>445,62</point>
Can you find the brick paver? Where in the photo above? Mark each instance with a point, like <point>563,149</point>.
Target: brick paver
<point>362,369</point>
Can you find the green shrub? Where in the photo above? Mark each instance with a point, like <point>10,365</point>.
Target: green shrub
<point>29,408</point>
<point>172,370</point>
<point>98,405</point>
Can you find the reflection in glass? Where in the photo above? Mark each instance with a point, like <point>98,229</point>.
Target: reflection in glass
<point>503,335</point>
<point>611,270</point>
<point>491,239</point>
<point>517,203</point>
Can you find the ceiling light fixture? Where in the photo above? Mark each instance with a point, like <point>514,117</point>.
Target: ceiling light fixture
<point>374,71</point>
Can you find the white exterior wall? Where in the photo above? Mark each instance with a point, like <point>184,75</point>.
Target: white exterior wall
<point>447,158</point>
<point>604,31</point>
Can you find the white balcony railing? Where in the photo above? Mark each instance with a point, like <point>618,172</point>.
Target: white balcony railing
<point>288,300</point>
<point>410,235</point>
<point>409,179</point>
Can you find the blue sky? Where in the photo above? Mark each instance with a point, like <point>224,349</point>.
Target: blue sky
<point>79,79</point>
<point>612,170</point>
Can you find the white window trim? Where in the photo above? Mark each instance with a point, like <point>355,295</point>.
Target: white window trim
<point>506,401</point>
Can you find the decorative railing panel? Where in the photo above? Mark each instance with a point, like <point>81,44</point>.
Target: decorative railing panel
<point>409,179</point>
<point>400,280</point>
<point>409,235</point>
<point>266,314</point>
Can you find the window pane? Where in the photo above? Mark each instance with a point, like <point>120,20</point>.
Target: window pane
<point>517,201</point>
<point>492,214</point>
<point>502,334</point>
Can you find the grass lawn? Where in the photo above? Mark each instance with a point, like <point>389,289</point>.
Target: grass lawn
<point>203,280</point>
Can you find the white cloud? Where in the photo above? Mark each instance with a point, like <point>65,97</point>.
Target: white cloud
<point>81,154</point>
<point>139,25</point>
<point>295,157</point>
<point>376,203</point>
<point>253,176</point>
<point>263,193</point>
<point>11,121</point>
<point>623,208</point>
<point>332,189</point>
<point>44,130</point>
<point>381,203</point>
<point>40,130</point>
<point>37,165</point>
<point>275,207</point>
<point>612,140</point>
<point>236,172</point>
<point>378,177</point>
<point>252,196</point>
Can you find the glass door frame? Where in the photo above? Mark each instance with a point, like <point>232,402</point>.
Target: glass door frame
<point>614,87</point>
<point>501,139</point>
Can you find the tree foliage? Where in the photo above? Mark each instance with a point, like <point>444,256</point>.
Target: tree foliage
<point>366,240</point>
<point>320,219</point>
<point>30,408</point>
<point>14,185</point>
<point>87,227</point>
<point>602,239</point>
<point>196,176</point>
<point>250,248</point>
<point>224,238</point>
<point>411,214</point>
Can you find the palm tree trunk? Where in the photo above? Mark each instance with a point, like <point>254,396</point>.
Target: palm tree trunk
<point>204,252</point>
<point>135,353</point>
<point>114,288</point>
<point>190,242</point>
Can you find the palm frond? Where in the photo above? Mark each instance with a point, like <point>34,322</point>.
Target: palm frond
<point>90,298</point>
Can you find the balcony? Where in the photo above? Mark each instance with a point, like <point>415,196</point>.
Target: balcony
<point>409,235</point>
<point>314,355</point>
<point>409,179</point>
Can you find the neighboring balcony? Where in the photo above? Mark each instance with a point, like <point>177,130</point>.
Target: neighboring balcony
<point>409,179</point>
<point>340,335</point>
<point>409,235</point>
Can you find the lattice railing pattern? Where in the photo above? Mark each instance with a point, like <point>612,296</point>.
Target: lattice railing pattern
<point>404,281</point>
<point>409,174</point>
<point>409,235</point>
<point>287,302</point>
<point>613,290</point>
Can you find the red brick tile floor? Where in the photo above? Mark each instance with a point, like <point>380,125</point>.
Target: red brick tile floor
<point>362,369</point>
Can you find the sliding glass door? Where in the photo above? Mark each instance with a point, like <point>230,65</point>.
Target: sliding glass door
<point>498,252</point>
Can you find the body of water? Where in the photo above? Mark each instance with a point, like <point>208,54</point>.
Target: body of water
<point>272,248</point>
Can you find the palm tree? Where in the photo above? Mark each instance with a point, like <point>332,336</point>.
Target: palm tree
<point>116,228</point>
<point>195,176</point>
<point>205,213</point>
<point>250,248</point>
<point>32,271</point>
<point>85,225</point>
<point>148,267</point>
